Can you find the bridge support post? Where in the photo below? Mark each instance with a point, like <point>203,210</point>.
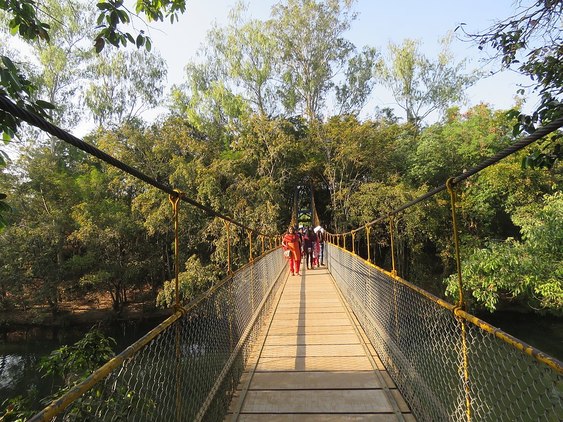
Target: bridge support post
<point>175,200</point>
<point>460,304</point>
<point>368,230</point>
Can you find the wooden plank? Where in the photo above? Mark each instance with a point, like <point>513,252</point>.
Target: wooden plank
<point>295,330</point>
<point>319,417</point>
<point>311,339</point>
<point>307,350</point>
<point>316,401</point>
<point>331,322</point>
<point>314,380</point>
<point>301,315</point>
<point>315,363</point>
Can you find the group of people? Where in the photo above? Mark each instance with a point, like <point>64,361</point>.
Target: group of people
<point>303,241</point>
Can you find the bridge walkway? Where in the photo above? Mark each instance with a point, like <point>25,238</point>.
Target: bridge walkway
<point>313,362</point>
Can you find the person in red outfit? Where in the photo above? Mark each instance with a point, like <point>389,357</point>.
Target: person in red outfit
<point>291,243</point>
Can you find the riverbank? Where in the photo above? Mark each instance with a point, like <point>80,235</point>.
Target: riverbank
<point>85,312</point>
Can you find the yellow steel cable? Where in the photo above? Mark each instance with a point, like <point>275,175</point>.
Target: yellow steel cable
<point>451,191</point>
<point>465,368</point>
<point>59,405</point>
<point>368,230</point>
<point>485,326</point>
<point>508,339</point>
<point>249,232</point>
<point>175,200</point>
<point>460,304</point>
<point>391,232</point>
<point>394,274</point>
<point>228,228</point>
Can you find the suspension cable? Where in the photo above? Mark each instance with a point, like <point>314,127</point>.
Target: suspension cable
<point>174,200</point>
<point>517,146</point>
<point>41,123</point>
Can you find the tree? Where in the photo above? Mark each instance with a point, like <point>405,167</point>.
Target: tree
<point>312,50</point>
<point>25,19</point>
<point>63,61</point>
<point>123,85</point>
<point>195,280</point>
<point>458,143</point>
<point>244,54</point>
<point>528,271</point>
<point>348,147</point>
<point>420,85</point>
<point>352,94</point>
<point>44,195</point>
<point>294,63</point>
<point>530,41</point>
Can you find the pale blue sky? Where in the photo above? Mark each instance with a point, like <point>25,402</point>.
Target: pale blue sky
<point>378,23</point>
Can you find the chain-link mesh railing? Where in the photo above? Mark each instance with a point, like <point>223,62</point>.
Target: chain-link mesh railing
<point>447,364</point>
<point>191,368</point>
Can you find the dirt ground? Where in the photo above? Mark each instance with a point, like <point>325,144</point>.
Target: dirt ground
<point>86,310</point>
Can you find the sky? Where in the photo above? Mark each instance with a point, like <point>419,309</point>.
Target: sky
<point>378,23</point>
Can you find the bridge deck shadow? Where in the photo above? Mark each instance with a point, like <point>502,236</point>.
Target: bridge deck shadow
<point>313,362</point>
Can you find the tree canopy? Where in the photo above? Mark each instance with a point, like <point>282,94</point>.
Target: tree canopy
<point>270,106</point>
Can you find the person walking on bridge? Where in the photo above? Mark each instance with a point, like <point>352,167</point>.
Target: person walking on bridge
<point>291,243</point>
<point>308,240</point>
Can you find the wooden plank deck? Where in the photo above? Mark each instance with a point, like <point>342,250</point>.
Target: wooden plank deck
<point>314,363</point>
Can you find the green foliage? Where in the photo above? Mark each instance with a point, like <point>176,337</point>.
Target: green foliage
<point>309,35</point>
<point>283,66</point>
<point>348,147</point>
<point>196,279</point>
<point>17,409</point>
<point>4,208</point>
<point>490,199</point>
<point>15,86</point>
<point>421,86</point>
<point>125,84</point>
<point>75,362</point>
<point>528,271</point>
<point>459,143</point>
<point>24,20</point>
<point>530,41</point>
<point>113,13</point>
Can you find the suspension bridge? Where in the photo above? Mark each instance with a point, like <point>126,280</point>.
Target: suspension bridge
<point>346,341</point>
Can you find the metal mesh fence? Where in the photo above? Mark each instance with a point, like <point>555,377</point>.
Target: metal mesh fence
<point>422,343</point>
<point>190,370</point>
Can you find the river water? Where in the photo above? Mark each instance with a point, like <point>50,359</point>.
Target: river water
<point>20,352</point>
